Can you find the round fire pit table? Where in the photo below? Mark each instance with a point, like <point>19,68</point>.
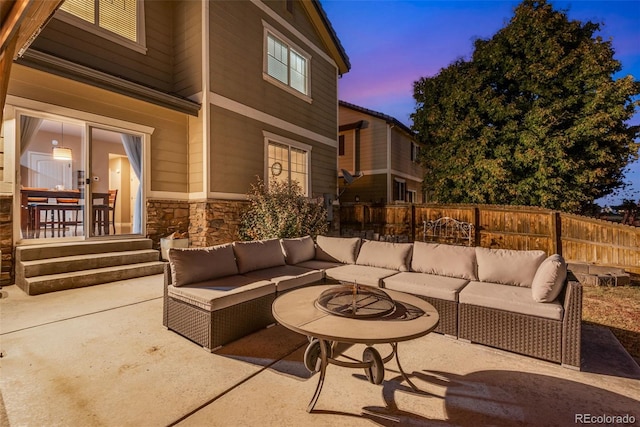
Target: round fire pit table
<point>331,314</point>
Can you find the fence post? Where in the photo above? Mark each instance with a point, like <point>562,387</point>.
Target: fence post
<point>556,237</point>
<point>476,225</point>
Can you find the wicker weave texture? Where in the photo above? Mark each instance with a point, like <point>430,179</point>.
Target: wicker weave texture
<point>213,329</point>
<point>519,333</point>
<point>448,311</point>
<point>572,325</point>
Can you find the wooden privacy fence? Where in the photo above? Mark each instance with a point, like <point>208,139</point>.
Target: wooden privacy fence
<point>576,238</point>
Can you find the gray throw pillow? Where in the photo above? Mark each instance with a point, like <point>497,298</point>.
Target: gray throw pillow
<point>549,279</point>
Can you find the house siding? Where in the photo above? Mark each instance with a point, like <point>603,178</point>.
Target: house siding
<point>187,46</point>
<point>168,168</point>
<point>153,69</point>
<point>245,84</point>
<point>369,188</point>
<point>237,154</point>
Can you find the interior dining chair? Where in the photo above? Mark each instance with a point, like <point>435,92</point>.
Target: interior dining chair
<point>37,207</point>
<point>68,205</point>
<point>113,196</point>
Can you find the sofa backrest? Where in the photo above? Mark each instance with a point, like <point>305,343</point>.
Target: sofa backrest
<point>508,266</point>
<point>298,250</point>
<point>444,260</point>
<point>394,256</point>
<point>258,254</point>
<point>337,249</point>
<point>194,265</point>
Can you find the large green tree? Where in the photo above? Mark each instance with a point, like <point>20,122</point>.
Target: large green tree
<point>535,117</point>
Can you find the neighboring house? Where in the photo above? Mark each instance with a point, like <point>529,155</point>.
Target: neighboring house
<point>383,152</point>
<point>179,104</point>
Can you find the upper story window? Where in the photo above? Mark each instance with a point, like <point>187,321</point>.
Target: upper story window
<point>286,65</point>
<point>341,145</point>
<point>117,20</point>
<point>415,151</point>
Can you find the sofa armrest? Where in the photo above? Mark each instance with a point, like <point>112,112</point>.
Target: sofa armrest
<point>167,282</point>
<point>572,323</point>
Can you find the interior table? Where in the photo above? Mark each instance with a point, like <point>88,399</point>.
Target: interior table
<point>300,311</point>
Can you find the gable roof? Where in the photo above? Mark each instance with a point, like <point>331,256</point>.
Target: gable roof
<point>327,33</point>
<point>381,116</point>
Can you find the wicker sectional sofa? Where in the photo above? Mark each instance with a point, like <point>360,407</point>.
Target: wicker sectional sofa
<point>520,301</point>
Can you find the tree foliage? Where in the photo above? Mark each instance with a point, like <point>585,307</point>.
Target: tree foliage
<point>280,210</point>
<point>534,118</point>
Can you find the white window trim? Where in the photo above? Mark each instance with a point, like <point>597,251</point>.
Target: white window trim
<point>274,138</point>
<point>404,185</point>
<point>138,46</point>
<point>268,29</point>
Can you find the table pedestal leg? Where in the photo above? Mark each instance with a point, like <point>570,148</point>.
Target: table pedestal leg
<point>324,361</point>
<point>404,375</point>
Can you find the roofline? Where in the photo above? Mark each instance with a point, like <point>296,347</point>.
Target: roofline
<point>382,116</point>
<point>328,34</point>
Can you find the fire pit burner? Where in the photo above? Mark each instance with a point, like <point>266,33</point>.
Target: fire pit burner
<point>356,301</point>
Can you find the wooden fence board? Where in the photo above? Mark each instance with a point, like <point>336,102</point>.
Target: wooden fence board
<point>577,238</point>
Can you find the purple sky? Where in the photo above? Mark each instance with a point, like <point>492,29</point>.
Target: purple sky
<point>393,43</point>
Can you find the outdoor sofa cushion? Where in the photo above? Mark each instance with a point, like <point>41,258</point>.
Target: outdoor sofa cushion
<point>337,249</point>
<point>194,265</point>
<point>316,264</point>
<point>360,274</point>
<point>222,293</point>
<point>394,256</point>
<point>298,250</point>
<point>287,276</point>
<point>508,266</point>
<point>549,279</point>
<point>516,299</point>
<point>428,285</point>
<point>444,260</point>
<point>258,254</point>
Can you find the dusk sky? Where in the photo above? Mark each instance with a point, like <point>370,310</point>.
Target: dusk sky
<point>393,43</point>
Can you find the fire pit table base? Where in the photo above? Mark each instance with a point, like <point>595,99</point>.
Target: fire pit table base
<point>318,356</point>
<point>409,318</point>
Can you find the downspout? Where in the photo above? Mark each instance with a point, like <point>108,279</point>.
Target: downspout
<point>206,105</point>
<point>389,179</point>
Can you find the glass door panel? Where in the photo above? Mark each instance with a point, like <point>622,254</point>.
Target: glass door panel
<point>115,165</point>
<point>51,196</point>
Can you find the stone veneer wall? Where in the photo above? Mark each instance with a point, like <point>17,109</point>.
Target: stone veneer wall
<point>209,222</point>
<point>6,240</point>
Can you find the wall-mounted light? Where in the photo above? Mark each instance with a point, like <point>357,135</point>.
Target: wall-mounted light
<point>61,152</point>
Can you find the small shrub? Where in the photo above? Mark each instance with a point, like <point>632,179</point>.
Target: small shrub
<point>281,211</point>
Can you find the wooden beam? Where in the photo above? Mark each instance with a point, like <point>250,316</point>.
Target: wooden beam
<point>6,59</point>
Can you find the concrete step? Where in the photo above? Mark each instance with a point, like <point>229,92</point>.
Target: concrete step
<point>78,279</point>
<point>67,264</point>
<point>56,250</point>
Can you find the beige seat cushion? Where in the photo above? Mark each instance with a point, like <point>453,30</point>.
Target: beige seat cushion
<point>337,249</point>
<point>394,256</point>
<point>428,285</point>
<point>549,279</point>
<point>194,265</point>
<point>298,250</point>
<point>516,299</point>
<point>444,260</point>
<point>360,274</point>
<point>315,264</point>
<point>287,276</point>
<point>222,293</point>
<point>507,266</point>
<point>258,254</point>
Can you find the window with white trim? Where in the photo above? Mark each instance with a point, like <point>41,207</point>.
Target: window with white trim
<point>287,163</point>
<point>412,196</point>
<point>108,18</point>
<point>286,64</point>
<point>399,189</point>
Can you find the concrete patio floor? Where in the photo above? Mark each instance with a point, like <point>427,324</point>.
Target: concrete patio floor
<point>99,356</point>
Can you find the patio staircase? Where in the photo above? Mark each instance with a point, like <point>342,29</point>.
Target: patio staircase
<point>55,267</point>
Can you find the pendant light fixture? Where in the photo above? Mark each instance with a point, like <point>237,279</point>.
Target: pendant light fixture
<point>61,152</point>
